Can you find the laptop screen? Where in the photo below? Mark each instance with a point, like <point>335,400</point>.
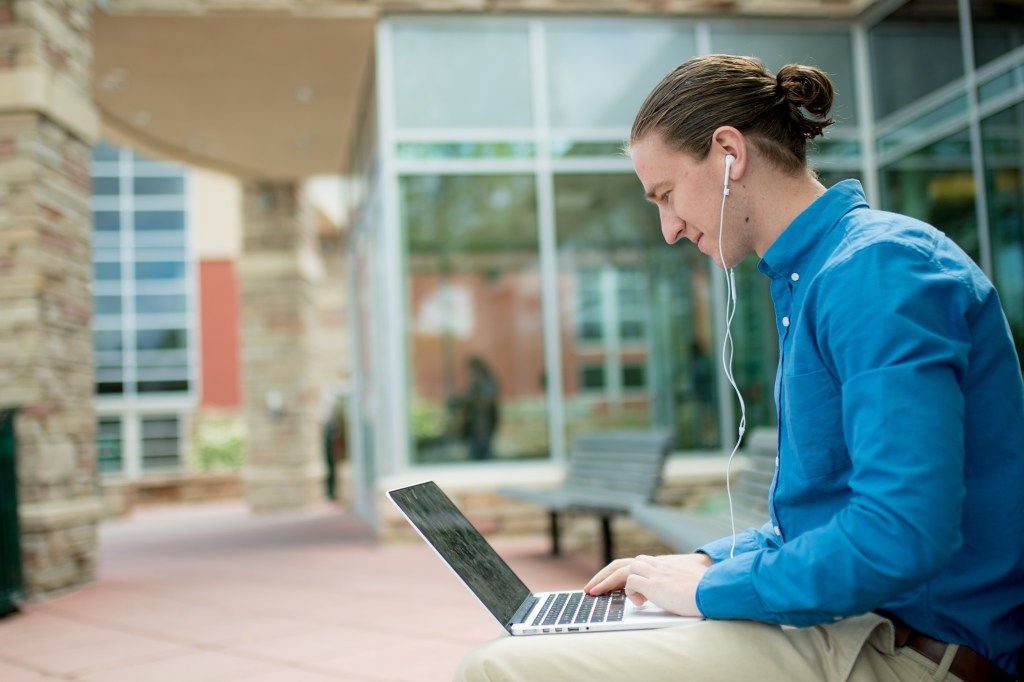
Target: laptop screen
<point>451,534</point>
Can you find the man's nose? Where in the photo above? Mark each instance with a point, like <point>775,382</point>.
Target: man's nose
<point>672,227</point>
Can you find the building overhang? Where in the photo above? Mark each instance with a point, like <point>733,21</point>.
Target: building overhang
<point>271,90</point>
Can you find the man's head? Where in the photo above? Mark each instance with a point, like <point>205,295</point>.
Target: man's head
<point>776,113</point>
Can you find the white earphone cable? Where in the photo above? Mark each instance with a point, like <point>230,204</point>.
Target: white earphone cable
<point>728,351</point>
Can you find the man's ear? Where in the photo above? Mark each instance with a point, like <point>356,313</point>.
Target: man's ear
<point>728,141</point>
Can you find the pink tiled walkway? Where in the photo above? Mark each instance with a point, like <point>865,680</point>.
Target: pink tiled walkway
<point>214,594</point>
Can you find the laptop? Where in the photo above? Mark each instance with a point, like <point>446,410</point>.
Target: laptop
<point>499,589</point>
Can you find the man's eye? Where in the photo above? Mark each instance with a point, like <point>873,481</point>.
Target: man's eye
<point>664,197</point>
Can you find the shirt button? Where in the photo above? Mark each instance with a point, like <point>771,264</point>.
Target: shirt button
<point>778,531</point>
<point>785,321</point>
<point>795,276</point>
<point>776,461</point>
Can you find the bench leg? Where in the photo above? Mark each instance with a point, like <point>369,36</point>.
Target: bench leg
<point>555,547</point>
<point>606,539</point>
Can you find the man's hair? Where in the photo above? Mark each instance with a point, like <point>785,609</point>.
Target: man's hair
<point>778,113</point>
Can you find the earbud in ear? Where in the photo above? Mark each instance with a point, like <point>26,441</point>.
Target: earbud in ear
<point>729,158</point>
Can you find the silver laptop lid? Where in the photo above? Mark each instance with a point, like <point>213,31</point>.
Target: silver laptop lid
<point>463,548</point>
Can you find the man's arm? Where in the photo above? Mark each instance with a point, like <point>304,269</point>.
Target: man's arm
<point>893,330</point>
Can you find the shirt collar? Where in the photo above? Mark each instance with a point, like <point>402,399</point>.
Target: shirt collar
<point>794,249</point>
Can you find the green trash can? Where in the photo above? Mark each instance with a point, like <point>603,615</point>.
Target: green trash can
<point>12,584</point>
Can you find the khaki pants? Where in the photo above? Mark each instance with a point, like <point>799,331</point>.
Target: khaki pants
<point>856,649</point>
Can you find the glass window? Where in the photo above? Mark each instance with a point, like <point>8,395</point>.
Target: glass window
<point>142,288</point>
<point>161,443</point>
<point>914,51</point>
<point>467,74</point>
<point>105,152</point>
<point>160,270</point>
<point>160,304</point>
<point>475,339</point>
<point>592,377</point>
<point>159,220</point>
<point>633,376</point>
<point>174,184</point>
<point>107,340</point>
<point>107,305</point>
<point>936,184</point>
<point>600,72</point>
<point>160,240</point>
<point>636,321</point>
<point>1003,136</point>
<point>161,339</point>
<point>998,28</point>
<point>831,51</point>
<point>109,445</point>
<point>103,186</point>
<point>465,150</point>
<point>106,271</point>
<point>106,221</point>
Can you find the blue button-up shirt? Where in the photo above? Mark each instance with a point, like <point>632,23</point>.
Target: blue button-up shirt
<point>900,482</point>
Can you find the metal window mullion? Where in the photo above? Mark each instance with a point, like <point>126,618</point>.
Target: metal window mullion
<point>193,319</point>
<point>129,354</point>
<point>548,256</point>
<point>865,97</point>
<point>974,130</point>
<point>394,451</point>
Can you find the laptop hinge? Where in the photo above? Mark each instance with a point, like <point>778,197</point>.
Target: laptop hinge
<point>523,611</point>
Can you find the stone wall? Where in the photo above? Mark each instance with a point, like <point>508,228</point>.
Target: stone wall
<point>284,452</point>
<point>47,126</point>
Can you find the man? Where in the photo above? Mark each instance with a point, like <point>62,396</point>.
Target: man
<point>895,548</point>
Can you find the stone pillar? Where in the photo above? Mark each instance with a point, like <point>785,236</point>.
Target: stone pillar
<point>284,457</point>
<point>48,123</point>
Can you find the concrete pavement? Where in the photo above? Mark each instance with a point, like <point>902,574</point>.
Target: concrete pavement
<point>213,593</point>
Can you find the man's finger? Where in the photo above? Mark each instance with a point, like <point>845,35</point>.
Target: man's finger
<point>636,585</point>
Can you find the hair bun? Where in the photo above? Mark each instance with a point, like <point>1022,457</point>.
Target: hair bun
<point>806,88</point>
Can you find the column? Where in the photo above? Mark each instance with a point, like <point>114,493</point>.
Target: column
<point>47,126</point>
<point>284,458</point>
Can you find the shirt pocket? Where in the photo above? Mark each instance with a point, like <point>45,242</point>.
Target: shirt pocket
<point>813,415</point>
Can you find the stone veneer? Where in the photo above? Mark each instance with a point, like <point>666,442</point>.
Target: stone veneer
<point>47,126</point>
<point>284,457</point>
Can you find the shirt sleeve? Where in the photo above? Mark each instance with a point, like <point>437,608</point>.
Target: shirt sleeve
<point>891,326</point>
<point>749,540</point>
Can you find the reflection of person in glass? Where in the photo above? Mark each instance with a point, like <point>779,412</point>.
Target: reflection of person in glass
<point>894,550</point>
<point>479,408</point>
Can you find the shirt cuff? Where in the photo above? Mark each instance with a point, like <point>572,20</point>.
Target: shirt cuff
<point>727,591</point>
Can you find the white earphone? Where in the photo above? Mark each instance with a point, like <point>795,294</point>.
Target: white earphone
<point>729,158</point>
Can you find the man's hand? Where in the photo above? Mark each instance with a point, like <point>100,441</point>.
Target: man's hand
<point>666,581</point>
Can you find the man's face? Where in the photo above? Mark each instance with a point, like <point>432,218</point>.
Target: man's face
<point>688,194</point>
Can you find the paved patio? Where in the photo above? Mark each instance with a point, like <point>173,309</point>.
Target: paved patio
<point>213,593</point>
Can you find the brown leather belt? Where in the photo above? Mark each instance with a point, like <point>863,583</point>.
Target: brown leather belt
<point>968,664</point>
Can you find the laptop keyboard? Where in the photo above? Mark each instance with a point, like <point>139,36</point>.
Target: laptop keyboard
<point>573,608</point>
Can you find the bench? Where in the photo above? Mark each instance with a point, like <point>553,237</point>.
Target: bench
<point>608,473</point>
<point>753,471</point>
